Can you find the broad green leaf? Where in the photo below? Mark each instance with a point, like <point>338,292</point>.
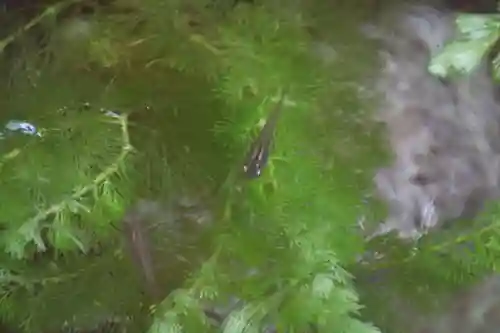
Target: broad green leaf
<point>478,33</point>
<point>461,56</point>
<point>478,26</point>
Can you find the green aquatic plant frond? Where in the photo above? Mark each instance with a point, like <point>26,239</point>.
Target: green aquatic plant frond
<point>157,103</point>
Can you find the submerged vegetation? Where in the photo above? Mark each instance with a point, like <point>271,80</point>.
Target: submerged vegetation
<point>143,114</point>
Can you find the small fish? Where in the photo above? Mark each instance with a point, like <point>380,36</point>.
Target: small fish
<point>140,248</point>
<point>258,154</point>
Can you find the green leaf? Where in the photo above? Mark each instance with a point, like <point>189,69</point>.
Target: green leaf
<point>31,232</point>
<point>15,246</point>
<point>322,285</point>
<point>476,26</point>
<point>461,56</point>
<point>65,238</point>
<point>477,35</point>
<point>245,320</point>
<point>76,207</point>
